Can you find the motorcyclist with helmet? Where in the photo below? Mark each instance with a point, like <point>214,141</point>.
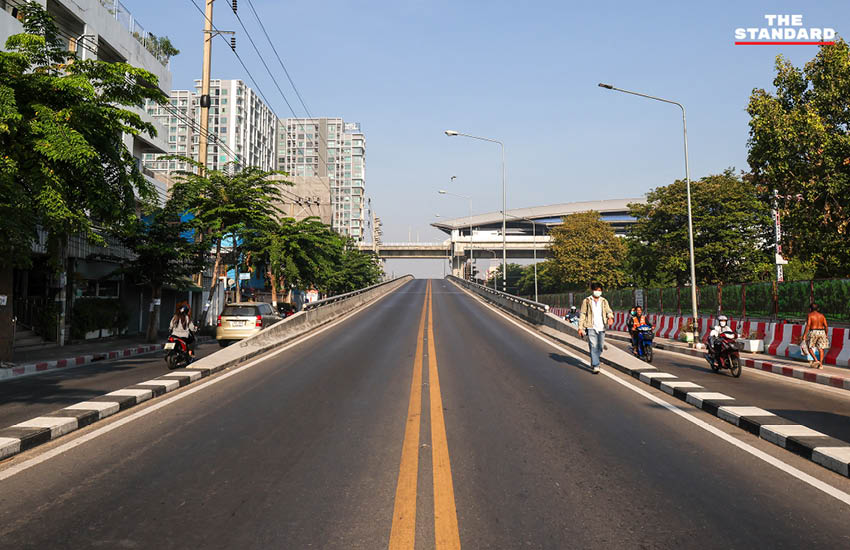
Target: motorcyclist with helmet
<point>572,315</point>
<point>721,327</point>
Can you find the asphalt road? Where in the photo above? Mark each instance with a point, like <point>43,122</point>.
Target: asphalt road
<point>819,407</point>
<point>449,428</point>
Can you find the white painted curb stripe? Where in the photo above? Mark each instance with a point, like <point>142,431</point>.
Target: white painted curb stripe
<point>696,398</point>
<point>192,374</point>
<point>834,458</point>
<point>103,408</point>
<point>59,425</point>
<point>169,385</point>
<point>780,432</point>
<point>648,376</point>
<point>733,415</point>
<point>9,446</point>
<point>140,395</point>
<point>670,387</point>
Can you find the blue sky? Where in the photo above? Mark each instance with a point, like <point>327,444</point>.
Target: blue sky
<point>525,73</point>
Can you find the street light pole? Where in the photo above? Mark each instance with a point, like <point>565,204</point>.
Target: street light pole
<point>688,185</point>
<point>451,133</point>
<point>533,247</point>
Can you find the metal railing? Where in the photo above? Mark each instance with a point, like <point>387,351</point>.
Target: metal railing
<point>340,297</point>
<point>126,19</point>
<point>481,289</point>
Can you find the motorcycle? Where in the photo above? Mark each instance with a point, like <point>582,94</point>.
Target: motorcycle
<point>725,354</point>
<point>177,356</point>
<point>643,342</point>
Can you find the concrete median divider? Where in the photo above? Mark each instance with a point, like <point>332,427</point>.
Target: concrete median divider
<point>313,315</point>
<point>820,448</point>
<point>36,431</point>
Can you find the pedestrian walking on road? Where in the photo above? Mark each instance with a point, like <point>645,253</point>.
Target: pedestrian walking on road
<point>595,315</point>
<point>816,328</point>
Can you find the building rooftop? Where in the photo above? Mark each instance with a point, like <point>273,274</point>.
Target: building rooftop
<point>613,209</point>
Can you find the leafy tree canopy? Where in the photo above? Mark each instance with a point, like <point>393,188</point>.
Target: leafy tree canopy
<point>732,233</point>
<point>64,165</point>
<point>585,249</point>
<point>800,145</point>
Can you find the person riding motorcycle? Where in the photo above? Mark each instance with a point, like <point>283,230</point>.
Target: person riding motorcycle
<point>721,327</point>
<point>182,327</point>
<point>636,319</point>
<point>572,315</point>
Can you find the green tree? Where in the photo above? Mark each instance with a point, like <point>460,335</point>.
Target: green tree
<point>732,233</point>
<point>585,249</point>
<point>298,254</point>
<point>515,274</point>
<point>166,254</point>
<point>237,206</point>
<point>64,165</point>
<point>800,144</point>
<point>352,270</point>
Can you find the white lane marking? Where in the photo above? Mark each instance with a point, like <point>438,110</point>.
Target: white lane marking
<point>670,387</point>
<point>65,447</point>
<point>779,432</point>
<point>9,446</point>
<point>103,408</point>
<point>696,398</point>
<point>810,480</point>
<point>140,395</point>
<point>59,425</point>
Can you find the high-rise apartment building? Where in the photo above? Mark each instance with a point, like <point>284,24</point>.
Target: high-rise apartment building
<point>241,127</point>
<point>334,149</point>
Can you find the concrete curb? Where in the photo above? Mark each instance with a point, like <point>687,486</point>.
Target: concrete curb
<point>820,448</point>
<point>37,431</point>
<point>29,369</point>
<point>800,373</point>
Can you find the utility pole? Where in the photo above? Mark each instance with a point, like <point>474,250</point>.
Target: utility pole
<point>205,90</point>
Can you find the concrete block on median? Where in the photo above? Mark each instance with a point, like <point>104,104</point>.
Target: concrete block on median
<point>9,446</point>
<point>103,408</point>
<point>777,433</point>
<point>167,385</point>
<point>696,398</point>
<point>192,374</point>
<point>836,459</point>
<point>670,387</point>
<point>140,395</point>
<point>734,414</point>
<point>58,425</point>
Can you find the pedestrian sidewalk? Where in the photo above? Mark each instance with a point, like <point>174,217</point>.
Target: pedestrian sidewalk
<point>75,355</point>
<point>836,377</point>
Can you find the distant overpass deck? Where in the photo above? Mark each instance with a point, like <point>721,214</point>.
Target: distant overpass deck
<point>482,247</point>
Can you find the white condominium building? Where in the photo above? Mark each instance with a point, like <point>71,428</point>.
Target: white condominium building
<point>241,127</point>
<point>334,149</point>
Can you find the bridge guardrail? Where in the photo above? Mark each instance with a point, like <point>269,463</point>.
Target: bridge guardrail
<point>347,295</point>
<point>527,309</point>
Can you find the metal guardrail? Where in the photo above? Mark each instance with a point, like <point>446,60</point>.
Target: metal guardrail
<point>531,304</point>
<point>340,297</point>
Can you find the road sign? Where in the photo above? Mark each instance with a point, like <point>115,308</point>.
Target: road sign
<point>244,276</point>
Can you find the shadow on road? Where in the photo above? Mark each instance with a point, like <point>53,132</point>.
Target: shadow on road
<point>573,362</point>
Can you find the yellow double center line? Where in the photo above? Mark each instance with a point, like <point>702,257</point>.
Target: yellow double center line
<point>403,534</point>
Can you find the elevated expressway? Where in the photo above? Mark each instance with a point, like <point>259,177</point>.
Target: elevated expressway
<point>527,232</point>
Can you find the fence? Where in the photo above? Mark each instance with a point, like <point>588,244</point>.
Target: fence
<point>787,300</point>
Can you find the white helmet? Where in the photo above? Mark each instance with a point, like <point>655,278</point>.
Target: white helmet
<point>722,320</point>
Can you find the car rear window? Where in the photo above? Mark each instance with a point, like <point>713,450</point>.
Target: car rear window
<point>239,311</point>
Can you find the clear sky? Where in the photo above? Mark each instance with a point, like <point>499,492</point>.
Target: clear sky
<point>522,72</point>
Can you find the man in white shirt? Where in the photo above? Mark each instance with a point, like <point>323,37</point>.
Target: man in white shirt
<point>595,315</point>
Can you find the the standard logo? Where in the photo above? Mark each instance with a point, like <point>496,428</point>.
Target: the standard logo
<point>784,29</point>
